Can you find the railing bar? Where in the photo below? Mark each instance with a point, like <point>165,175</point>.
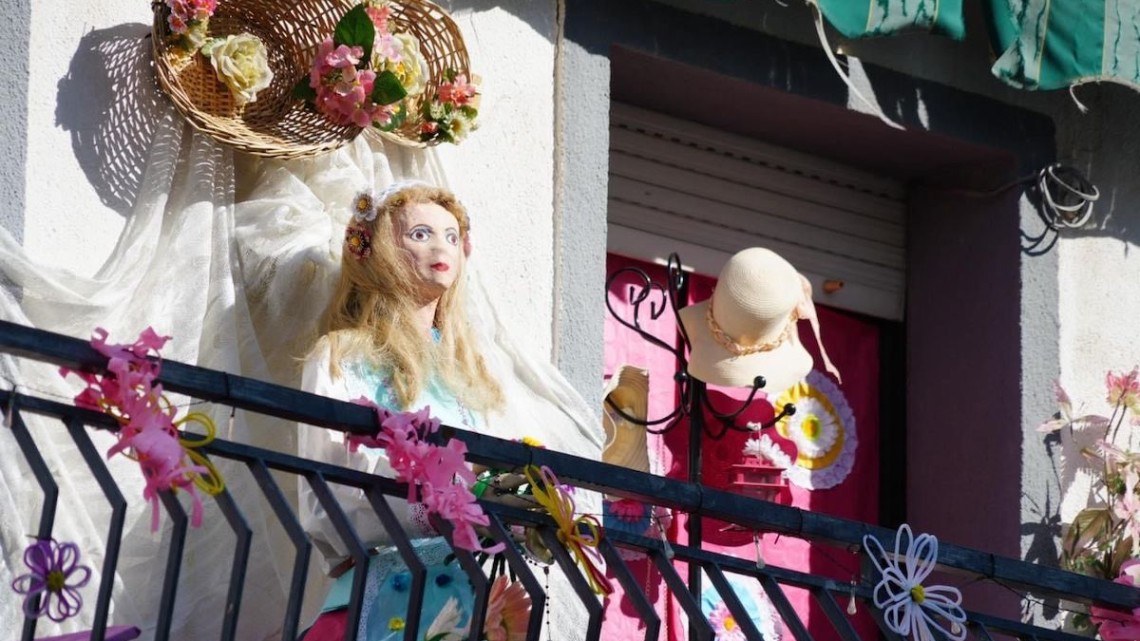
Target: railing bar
<point>288,519</point>
<point>355,549</point>
<point>47,484</point>
<point>836,615</point>
<point>735,565</point>
<point>577,581</point>
<point>1007,626</point>
<point>521,568</point>
<point>173,564</point>
<point>114,533</point>
<point>240,566</point>
<point>39,469</point>
<point>697,620</point>
<point>291,404</point>
<point>728,595</point>
<point>479,583</point>
<point>981,631</point>
<point>633,589</point>
<point>784,607</point>
<point>415,566</point>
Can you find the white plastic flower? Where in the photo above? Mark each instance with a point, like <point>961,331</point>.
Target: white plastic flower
<point>910,608</point>
<point>460,125</point>
<point>813,428</point>
<point>445,627</point>
<point>242,63</point>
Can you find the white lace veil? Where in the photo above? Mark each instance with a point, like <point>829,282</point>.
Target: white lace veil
<point>234,257</point>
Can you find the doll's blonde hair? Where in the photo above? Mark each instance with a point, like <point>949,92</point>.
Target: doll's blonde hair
<point>371,316</point>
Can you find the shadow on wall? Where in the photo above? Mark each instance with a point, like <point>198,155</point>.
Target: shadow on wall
<point>539,15</point>
<point>107,102</point>
<point>1103,147</point>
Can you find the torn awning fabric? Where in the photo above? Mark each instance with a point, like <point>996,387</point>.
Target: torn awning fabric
<point>865,18</point>
<point>1052,44</point>
<point>1037,44</point>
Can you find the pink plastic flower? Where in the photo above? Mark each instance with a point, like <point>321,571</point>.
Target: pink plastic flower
<point>508,611</point>
<point>458,92</point>
<point>440,472</point>
<point>1124,388</point>
<point>344,93</point>
<point>1113,624</point>
<point>185,12</point>
<point>379,16</point>
<point>130,393</point>
<point>55,578</point>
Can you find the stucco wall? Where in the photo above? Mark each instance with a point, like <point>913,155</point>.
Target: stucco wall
<point>73,156</point>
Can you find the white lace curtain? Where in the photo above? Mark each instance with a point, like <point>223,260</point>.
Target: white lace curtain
<point>234,257</point>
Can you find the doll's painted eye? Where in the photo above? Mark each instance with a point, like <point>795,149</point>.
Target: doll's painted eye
<point>420,234</point>
<point>452,238</point>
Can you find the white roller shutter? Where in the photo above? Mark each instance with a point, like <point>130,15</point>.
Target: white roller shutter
<point>706,194</point>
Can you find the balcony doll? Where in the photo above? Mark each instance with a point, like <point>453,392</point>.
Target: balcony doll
<point>396,331</point>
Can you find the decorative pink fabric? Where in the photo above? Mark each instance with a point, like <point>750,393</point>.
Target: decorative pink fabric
<point>853,344</point>
<point>329,626</point>
<point>439,471</point>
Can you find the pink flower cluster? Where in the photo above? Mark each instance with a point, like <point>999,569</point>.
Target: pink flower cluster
<point>434,468</point>
<point>128,392</point>
<point>1115,625</point>
<point>185,12</point>
<point>457,93</point>
<point>1124,389</point>
<point>344,93</point>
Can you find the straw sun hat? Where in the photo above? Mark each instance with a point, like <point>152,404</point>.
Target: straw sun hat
<point>628,389</point>
<point>748,327</point>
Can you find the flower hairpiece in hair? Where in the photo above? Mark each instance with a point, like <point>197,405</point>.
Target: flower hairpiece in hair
<point>364,207</point>
<point>358,241</point>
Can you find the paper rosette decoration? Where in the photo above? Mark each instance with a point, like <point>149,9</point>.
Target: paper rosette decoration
<point>823,429</point>
<point>755,603</point>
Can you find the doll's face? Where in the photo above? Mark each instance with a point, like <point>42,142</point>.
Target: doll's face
<point>429,234</point>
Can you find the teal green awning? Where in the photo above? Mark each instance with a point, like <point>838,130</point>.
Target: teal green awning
<point>1052,44</point>
<point>860,18</point>
<point>1038,44</point>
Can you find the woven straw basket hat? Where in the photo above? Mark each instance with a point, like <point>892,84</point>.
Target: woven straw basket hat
<point>751,330</point>
<point>276,124</point>
<point>625,444</point>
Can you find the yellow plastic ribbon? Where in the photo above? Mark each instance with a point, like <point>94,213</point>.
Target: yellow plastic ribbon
<point>582,544</point>
<point>211,482</point>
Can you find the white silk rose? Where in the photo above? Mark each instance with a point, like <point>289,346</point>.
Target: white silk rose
<point>400,54</point>
<point>242,63</point>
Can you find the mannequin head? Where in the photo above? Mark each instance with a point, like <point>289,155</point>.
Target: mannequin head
<point>404,252</point>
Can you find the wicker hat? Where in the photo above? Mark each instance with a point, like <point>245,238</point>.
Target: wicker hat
<point>625,445</point>
<point>277,124</point>
<point>748,327</point>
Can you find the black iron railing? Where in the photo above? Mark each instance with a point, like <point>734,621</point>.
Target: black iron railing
<point>693,499</point>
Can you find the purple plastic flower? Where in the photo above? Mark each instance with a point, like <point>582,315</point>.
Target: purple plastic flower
<point>55,577</point>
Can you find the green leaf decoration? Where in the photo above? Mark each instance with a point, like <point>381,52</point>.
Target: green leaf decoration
<point>355,29</point>
<point>469,111</point>
<point>1089,526</point>
<point>302,91</point>
<point>1121,553</point>
<point>387,89</point>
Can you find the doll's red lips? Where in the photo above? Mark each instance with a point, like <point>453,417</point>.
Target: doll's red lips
<point>440,267</point>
